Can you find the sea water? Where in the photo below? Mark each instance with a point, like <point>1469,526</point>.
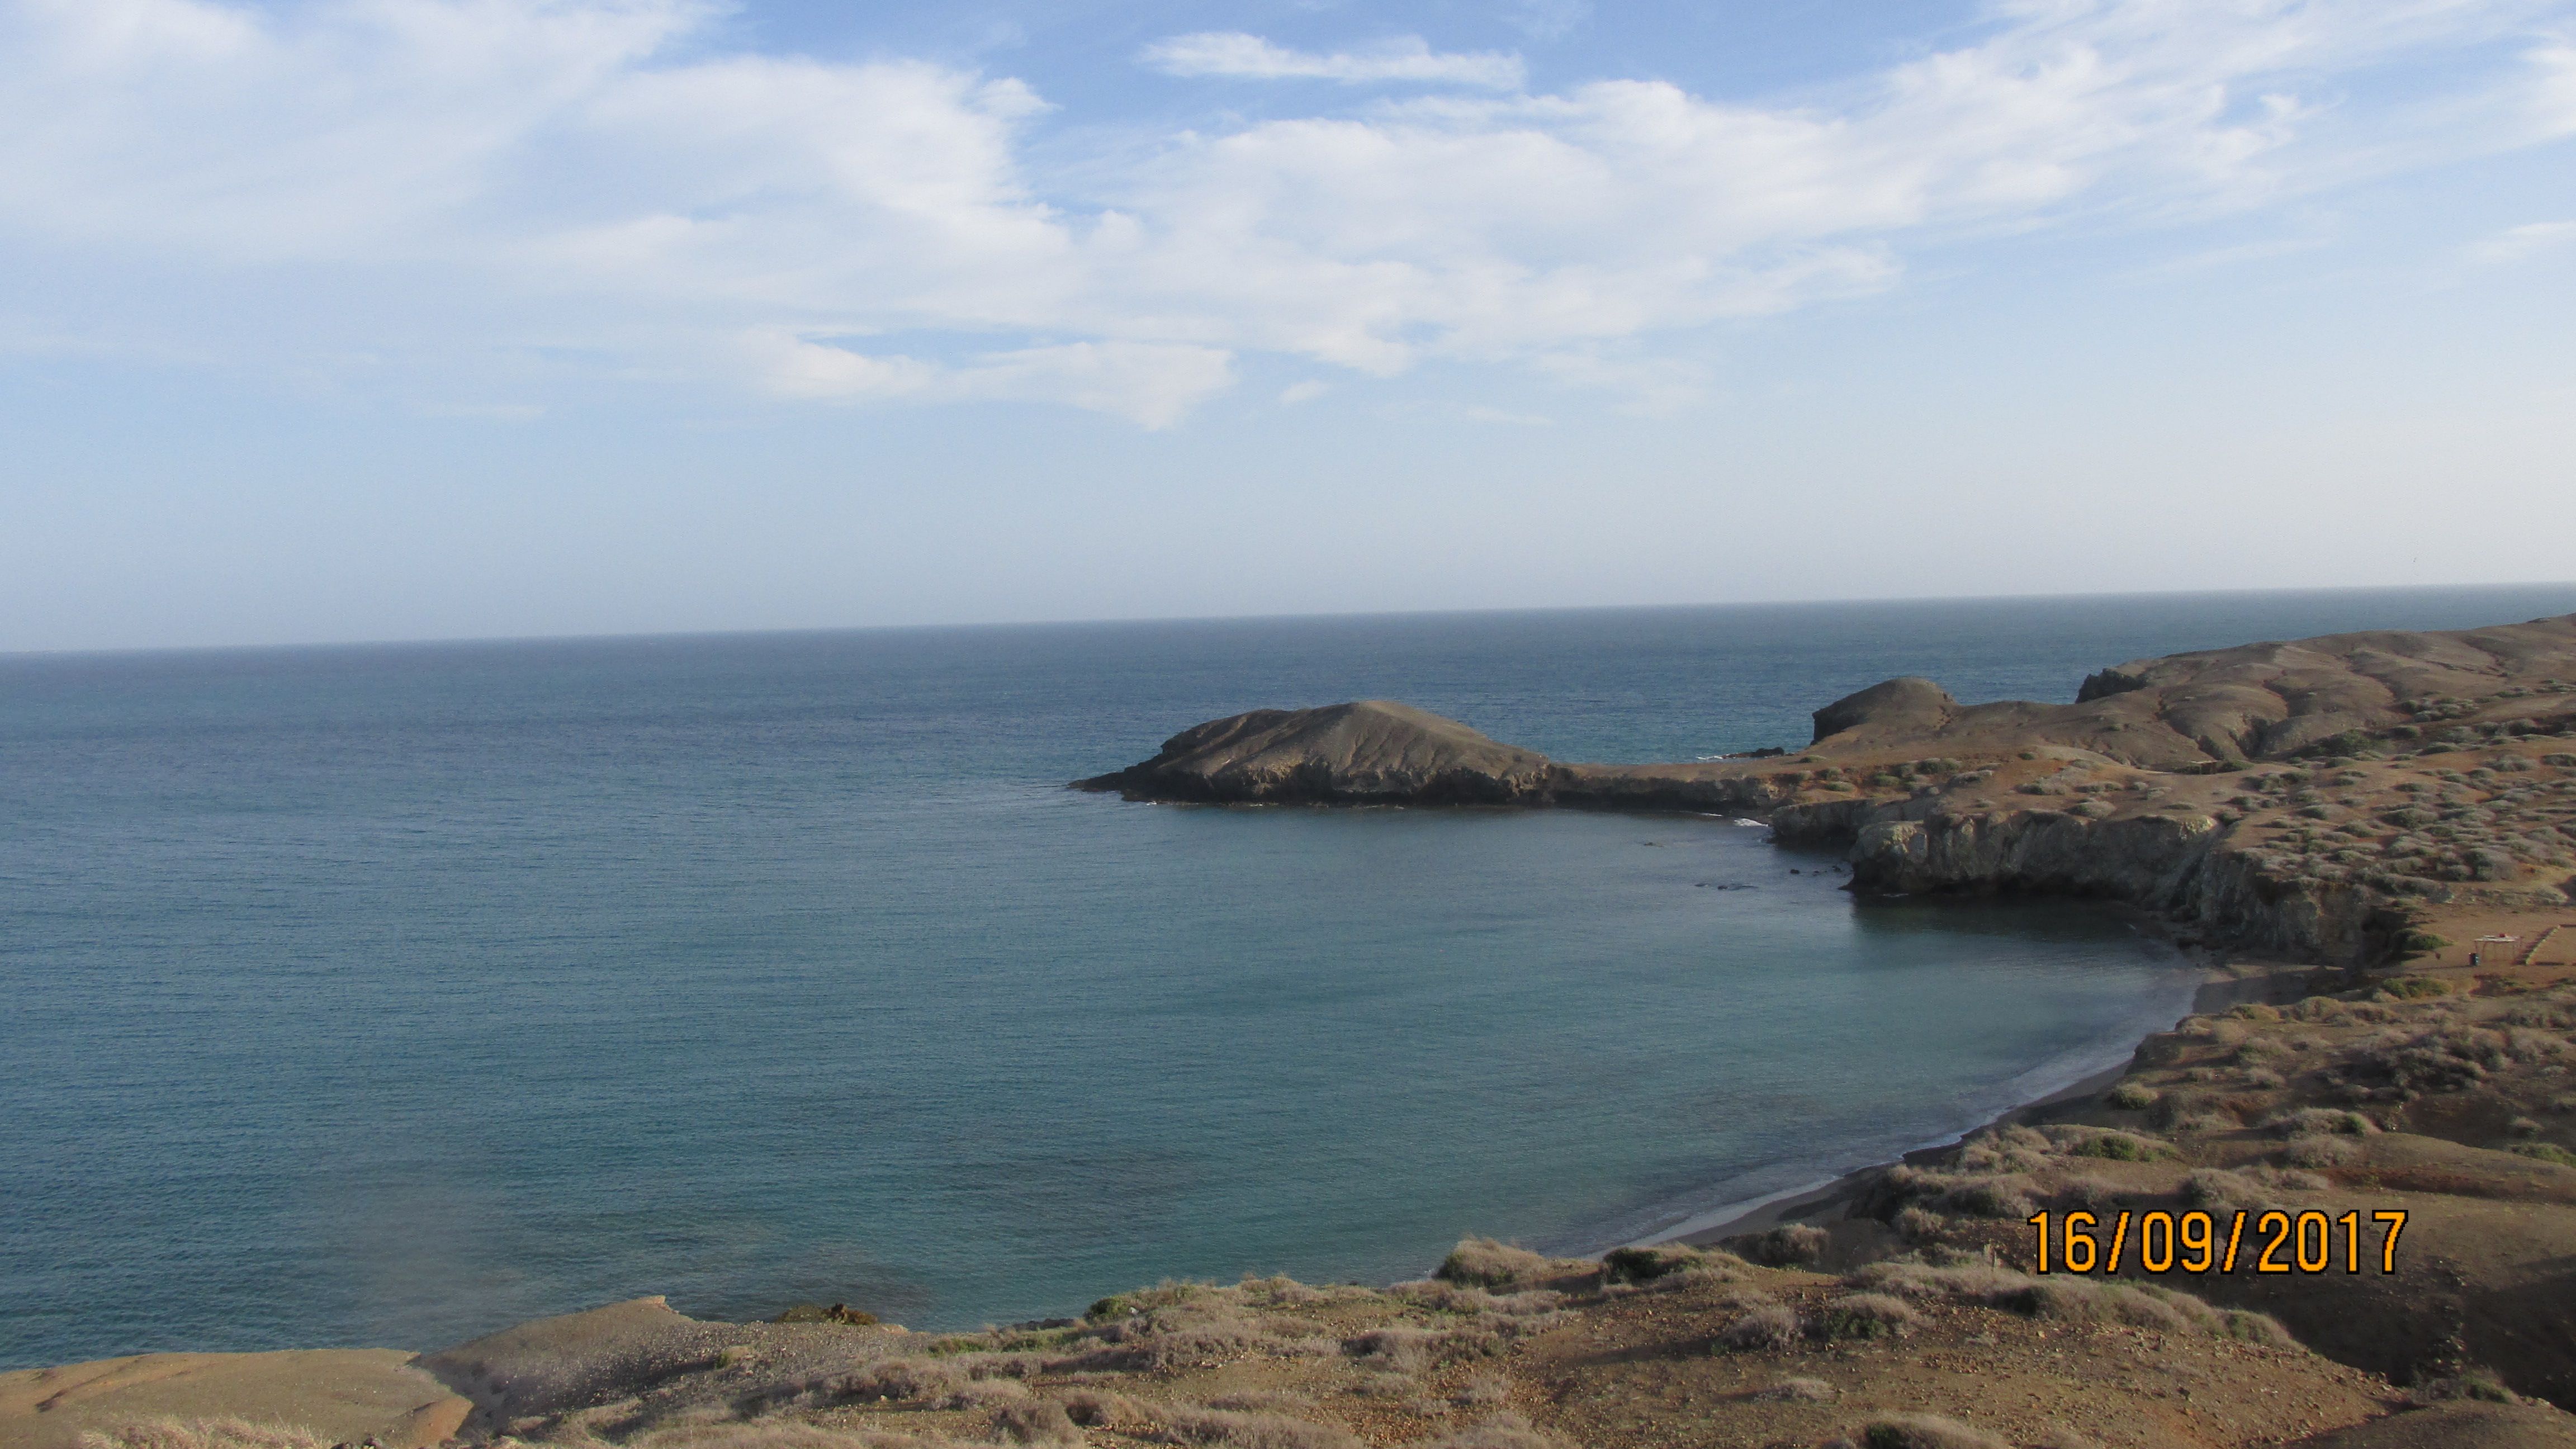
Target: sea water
<point>390,995</point>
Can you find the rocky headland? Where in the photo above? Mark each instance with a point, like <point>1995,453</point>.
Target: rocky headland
<point>2335,800</point>
<point>2342,821</point>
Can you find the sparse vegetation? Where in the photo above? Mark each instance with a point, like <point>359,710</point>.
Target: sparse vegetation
<point>1925,1431</point>
<point>1763,1328</point>
<point>2131,1096</point>
<point>1485,1263</point>
<point>208,1434</point>
<point>1863,1315</point>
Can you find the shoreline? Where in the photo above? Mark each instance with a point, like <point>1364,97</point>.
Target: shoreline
<point>2222,985</point>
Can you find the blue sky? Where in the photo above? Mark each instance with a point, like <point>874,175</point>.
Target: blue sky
<point>373,319</point>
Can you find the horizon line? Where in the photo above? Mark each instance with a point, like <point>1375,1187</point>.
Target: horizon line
<point>654,635</point>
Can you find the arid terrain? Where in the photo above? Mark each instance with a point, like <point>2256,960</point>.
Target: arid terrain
<point>2375,834</point>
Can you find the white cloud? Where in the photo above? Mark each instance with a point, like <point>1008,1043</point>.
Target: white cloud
<point>1151,384</point>
<point>1547,19</point>
<point>2554,99</point>
<point>1302,392</point>
<point>1234,55</point>
<point>436,182</point>
<point>2516,243</point>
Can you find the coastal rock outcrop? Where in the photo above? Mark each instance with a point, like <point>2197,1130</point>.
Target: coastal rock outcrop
<point>1909,706</point>
<point>2253,702</point>
<point>1373,751</point>
<point>2186,785</point>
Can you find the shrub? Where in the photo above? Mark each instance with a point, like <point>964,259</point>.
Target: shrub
<point>2219,1192</point>
<point>1402,1350</point>
<point>1485,1263</point>
<point>1662,1260</point>
<point>1863,1315</point>
<point>1925,1431</point>
<point>1773,1327</point>
<point>1223,1430</point>
<point>1035,1421</point>
<point>2310,1120</point>
<point>2119,1147</point>
<point>901,1380</point>
<point>1787,1245</point>
<point>2416,988</point>
<point>1099,1408</point>
<point>2321,1151</point>
<point>2544,1152</point>
<point>1990,1198</point>
<point>2131,1097</point>
<point>2469,1383</point>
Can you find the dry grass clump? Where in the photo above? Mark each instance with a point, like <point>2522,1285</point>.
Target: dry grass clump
<point>2075,1299</point>
<point>1442,1297</point>
<point>896,1381</point>
<point>2005,1150</point>
<point>1787,1245</point>
<point>1035,1421</point>
<point>1924,1431</point>
<point>984,1394</point>
<point>1763,1328</point>
<point>2321,1151</point>
<point>2468,1383</point>
<point>1398,1349</point>
<point>202,1434</point>
<point>1668,1265</point>
<point>1863,1315</point>
<point>1963,1194</point>
<point>1506,1430</point>
<point>1203,1331</point>
<point>1224,1429</point>
<point>1797,1391</point>
<point>2398,1066</point>
<point>2218,1191</point>
<point>1485,1263</point>
<point>2308,1121</point>
<point>1099,1408</point>
<point>2108,1143</point>
<point>2131,1097</point>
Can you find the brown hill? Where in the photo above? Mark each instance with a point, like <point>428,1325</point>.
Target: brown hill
<point>1372,751</point>
<point>2253,702</point>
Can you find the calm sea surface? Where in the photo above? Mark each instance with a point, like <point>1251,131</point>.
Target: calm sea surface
<point>391,995</point>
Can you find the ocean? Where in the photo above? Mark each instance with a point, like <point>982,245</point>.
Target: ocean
<point>389,995</point>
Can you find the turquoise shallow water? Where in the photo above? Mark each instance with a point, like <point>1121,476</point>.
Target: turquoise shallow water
<point>389,995</point>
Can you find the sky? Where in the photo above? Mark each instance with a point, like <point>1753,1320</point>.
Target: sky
<point>402,319</point>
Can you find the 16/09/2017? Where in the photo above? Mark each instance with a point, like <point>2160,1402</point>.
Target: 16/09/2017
<point>2279,1241</point>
